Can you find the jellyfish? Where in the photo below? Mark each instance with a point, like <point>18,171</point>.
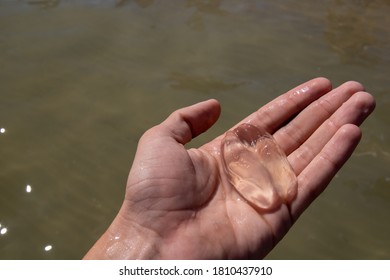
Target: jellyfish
<point>258,168</point>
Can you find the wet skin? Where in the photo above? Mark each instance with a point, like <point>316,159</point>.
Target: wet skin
<point>186,204</point>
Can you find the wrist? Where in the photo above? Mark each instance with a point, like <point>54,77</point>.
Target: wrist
<point>125,240</point>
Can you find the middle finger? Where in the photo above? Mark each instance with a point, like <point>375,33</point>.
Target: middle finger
<point>353,111</point>
<point>295,133</point>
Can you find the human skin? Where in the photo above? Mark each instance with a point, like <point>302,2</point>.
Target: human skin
<point>180,204</point>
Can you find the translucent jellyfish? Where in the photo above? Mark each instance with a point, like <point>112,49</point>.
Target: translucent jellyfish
<point>258,168</point>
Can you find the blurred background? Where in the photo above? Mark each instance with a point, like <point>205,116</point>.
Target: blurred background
<point>80,81</point>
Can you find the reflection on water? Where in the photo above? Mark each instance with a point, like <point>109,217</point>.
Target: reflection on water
<point>3,230</point>
<point>81,80</point>
<point>28,189</point>
<point>48,248</point>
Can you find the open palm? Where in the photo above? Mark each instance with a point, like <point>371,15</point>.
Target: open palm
<point>180,204</point>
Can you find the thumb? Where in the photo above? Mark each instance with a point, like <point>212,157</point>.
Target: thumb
<point>187,123</point>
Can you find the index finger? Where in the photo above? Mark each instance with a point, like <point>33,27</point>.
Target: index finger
<point>279,111</point>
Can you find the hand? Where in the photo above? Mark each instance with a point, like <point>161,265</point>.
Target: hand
<point>179,203</point>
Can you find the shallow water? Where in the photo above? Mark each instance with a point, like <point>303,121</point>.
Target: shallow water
<point>81,80</point>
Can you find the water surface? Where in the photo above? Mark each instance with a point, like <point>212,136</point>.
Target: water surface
<point>80,81</point>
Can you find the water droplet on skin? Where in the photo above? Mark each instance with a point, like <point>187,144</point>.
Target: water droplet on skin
<point>258,168</point>
<point>300,91</point>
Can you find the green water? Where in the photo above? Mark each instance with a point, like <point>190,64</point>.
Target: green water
<point>80,81</point>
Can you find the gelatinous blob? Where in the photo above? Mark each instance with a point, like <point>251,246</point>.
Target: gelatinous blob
<point>258,168</point>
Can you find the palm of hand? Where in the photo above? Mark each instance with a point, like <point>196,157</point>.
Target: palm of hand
<point>184,198</point>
